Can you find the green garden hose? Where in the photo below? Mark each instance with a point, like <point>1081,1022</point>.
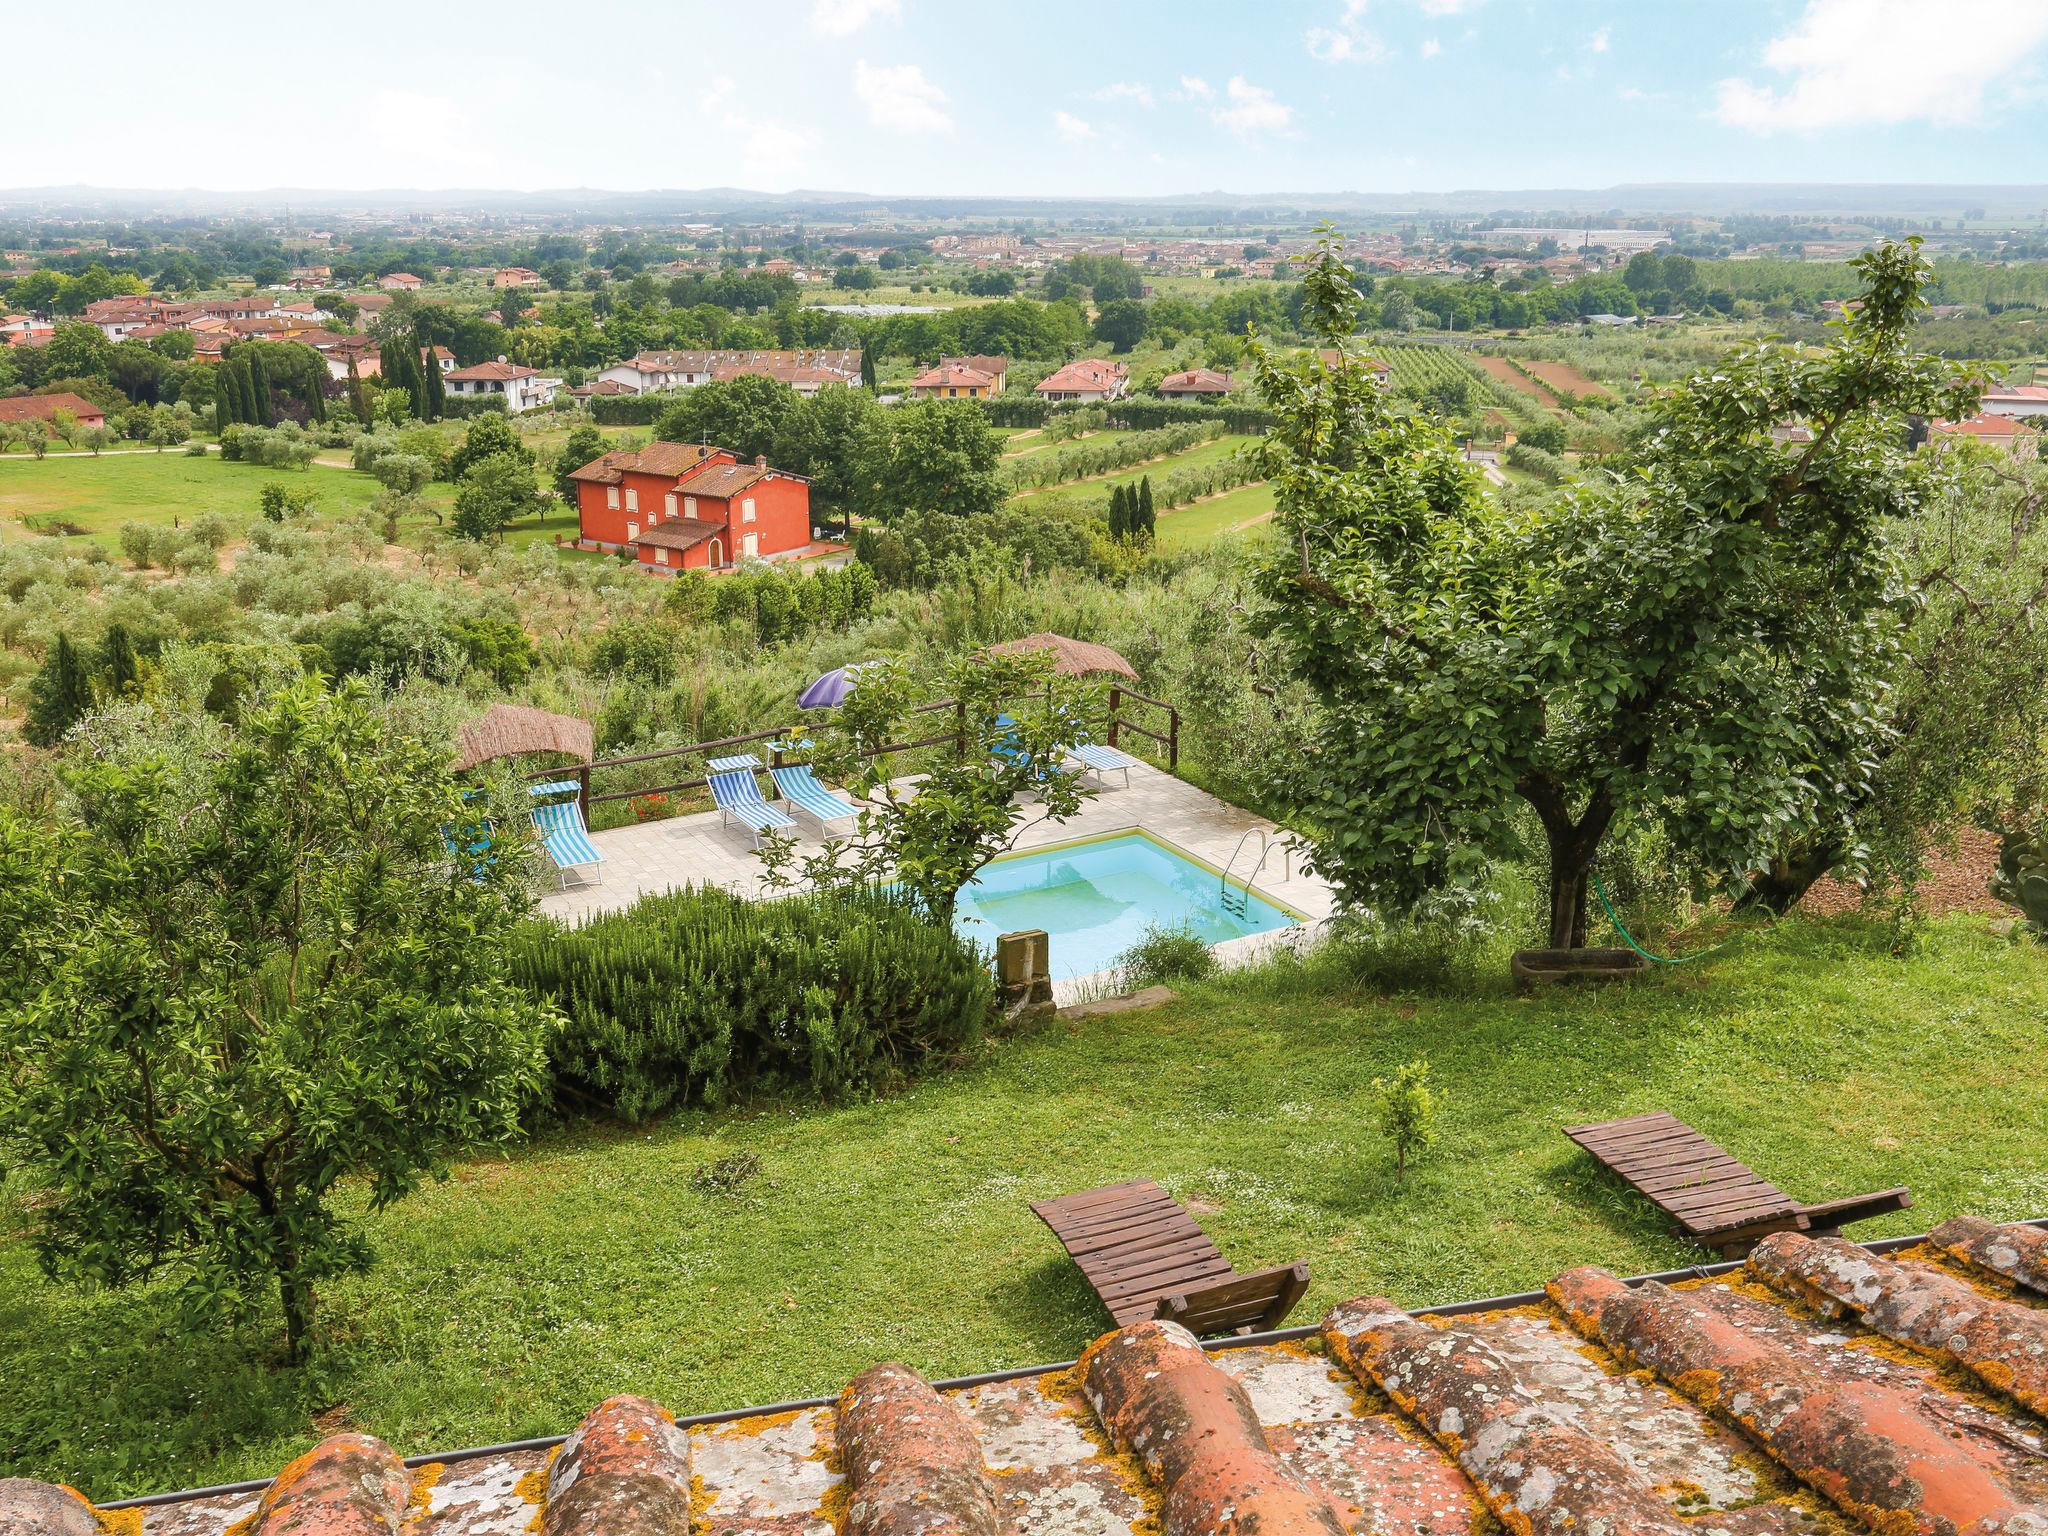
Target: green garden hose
<point>1629,938</point>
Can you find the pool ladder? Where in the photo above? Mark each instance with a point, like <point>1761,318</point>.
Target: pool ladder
<point>1236,900</point>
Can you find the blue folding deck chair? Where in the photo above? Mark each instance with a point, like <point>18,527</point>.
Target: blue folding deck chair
<point>738,796</point>
<point>560,824</point>
<point>1102,761</point>
<point>800,787</point>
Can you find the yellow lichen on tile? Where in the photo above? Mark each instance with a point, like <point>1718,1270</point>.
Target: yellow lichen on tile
<point>119,1522</point>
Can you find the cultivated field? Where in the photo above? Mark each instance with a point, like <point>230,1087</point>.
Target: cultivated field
<point>1566,379</point>
<point>1505,372</point>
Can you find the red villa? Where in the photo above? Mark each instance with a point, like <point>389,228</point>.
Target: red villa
<point>689,506</point>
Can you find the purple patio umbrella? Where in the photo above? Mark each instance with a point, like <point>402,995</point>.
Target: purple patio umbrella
<point>830,691</point>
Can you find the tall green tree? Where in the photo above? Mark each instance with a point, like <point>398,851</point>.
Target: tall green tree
<point>583,444</point>
<point>59,696</point>
<point>263,408</point>
<point>1147,521</point>
<point>1700,644</point>
<point>929,456</point>
<point>867,368</point>
<point>236,977</point>
<point>1119,513</point>
<point>437,386</point>
<point>493,493</point>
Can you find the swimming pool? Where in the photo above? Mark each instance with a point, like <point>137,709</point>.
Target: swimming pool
<point>1096,898</point>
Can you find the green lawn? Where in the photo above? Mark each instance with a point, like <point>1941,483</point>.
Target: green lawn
<point>1204,522</point>
<point>99,494</point>
<point>1202,453</point>
<point>508,1300</point>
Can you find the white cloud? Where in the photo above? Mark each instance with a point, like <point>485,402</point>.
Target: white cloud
<point>1072,129</point>
<point>1597,43</point>
<point>843,18</point>
<point>1194,88</point>
<point>1637,93</point>
<point>1346,42</point>
<point>898,96</point>
<point>716,94</point>
<point>769,152</point>
<point>1126,90</point>
<point>1252,110</point>
<point>1857,62</point>
<point>1447,7</point>
<point>1431,48</point>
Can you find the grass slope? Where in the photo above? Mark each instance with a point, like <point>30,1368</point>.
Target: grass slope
<point>509,1299</point>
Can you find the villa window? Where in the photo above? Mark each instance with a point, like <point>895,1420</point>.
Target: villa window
<point>632,532</point>
<point>632,499</point>
<point>611,497</point>
<point>689,506</point>
<point>661,557</point>
<point>747,510</point>
<point>671,499</point>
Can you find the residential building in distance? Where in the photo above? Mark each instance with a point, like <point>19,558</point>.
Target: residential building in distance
<point>953,381</point>
<point>1195,384</point>
<point>2008,434</point>
<point>1091,380</point>
<point>517,277</point>
<point>599,389</point>
<point>44,408</point>
<point>521,388</point>
<point>997,368</point>
<point>2017,400</point>
<point>690,506</point>
<point>805,371</point>
<point>400,282</point>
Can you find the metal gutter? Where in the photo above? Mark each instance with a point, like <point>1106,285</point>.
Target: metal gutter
<point>990,1378</point>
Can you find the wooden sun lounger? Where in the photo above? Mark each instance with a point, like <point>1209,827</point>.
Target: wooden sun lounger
<point>1145,1257</point>
<point>1713,1199</point>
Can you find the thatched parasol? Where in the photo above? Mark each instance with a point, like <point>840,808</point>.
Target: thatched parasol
<point>1071,658</point>
<point>507,730</point>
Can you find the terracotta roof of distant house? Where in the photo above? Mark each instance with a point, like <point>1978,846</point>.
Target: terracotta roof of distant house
<point>1334,356</point>
<point>1084,373</point>
<point>657,458</point>
<point>2019,392</point>
<point>45,407</point>
<point>954,376</point>
<point>604,387</point>
<point>259,325</point>
<point>492,370</point>
<point>996,365</point>
<point>1983,426</point>
<point>1195,381</point>
<point>1894,1386</point>
<point>720,482</point>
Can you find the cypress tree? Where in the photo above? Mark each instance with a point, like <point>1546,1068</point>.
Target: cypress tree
<point>358,395</point>
<point>224,396</point>
<point>119,671</point>
<point>260,403</point>
<point>867,367</point>
<point>60,694</point>
<point>316,396</point>
<point>437,388</point>
<point>1147,520</point>
<point>246,408</point>
<point>1119,513</point>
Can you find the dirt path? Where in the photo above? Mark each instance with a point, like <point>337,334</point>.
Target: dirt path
<point>1956,880</point>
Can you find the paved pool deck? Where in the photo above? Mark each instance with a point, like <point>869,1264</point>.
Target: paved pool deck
<point>696,850</point>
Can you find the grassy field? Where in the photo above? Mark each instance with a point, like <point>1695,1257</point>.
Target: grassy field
<point>1203,453</point>
<point>1225,516</point>
<point>509,1299</point>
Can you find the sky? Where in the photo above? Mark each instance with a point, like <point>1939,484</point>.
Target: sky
<point>1039,97</point>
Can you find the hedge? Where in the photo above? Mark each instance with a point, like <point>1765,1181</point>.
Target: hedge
<point>701,997</point>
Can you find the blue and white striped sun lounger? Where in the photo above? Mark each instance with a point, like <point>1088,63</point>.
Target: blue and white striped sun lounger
<point>560,825</point>
<point>800,787</point>
<point>1101,761</point>
<point>738,795</point>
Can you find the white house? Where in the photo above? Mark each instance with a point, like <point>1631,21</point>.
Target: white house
<point>523,389</point>
<point>2018,400</point>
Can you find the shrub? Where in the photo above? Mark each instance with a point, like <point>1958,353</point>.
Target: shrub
<point>700,997</point>
<point>195,450</point>
<point>405,473</point>
<point>1407,1108</point>
<point>1165,955</point>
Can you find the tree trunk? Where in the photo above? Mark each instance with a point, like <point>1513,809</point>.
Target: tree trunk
<point>1572,846</point>
<point>297,1296</point>
<point>1778,887</point>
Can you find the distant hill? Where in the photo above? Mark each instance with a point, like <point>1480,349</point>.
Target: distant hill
<point>2028,202</point>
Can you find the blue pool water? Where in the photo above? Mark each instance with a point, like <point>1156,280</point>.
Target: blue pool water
<point>1096,899</point>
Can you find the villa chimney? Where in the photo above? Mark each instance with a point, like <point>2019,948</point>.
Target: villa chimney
<point>760,461</point>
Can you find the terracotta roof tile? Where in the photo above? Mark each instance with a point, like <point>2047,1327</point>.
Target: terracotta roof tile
<point>1633,1408</point>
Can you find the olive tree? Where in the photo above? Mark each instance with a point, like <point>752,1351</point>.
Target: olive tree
<point>241,969</point>
<point>1699,638</point>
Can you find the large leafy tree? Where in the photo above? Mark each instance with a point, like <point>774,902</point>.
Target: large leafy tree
<point>239,973</point>
<point>744,414</point>
<point>928,456</point>
<point>1700,641</point>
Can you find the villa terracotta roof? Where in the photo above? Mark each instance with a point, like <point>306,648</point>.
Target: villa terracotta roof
<point>1983,426</point>
<point>1195,381</point>
<point>721,481</point>
<point>1083,374</point>
<point>953,375</point>
<point>499,370</point>
<point>1820,1390</point>
<point>657,458</point>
